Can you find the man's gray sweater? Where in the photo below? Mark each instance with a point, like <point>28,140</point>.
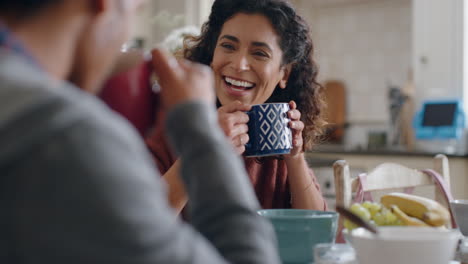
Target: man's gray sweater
<point>77,184</point>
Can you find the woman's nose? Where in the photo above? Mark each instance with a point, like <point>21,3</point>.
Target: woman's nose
<point>241,62</point>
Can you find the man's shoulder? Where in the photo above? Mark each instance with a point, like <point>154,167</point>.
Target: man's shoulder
<point>35,108</point>
<point>29,94</point>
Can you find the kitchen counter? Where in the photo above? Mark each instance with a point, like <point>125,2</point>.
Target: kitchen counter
<point>340,149</point>
<point>322,159</point>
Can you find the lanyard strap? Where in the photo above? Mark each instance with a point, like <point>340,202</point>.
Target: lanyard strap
<point>442,185</point>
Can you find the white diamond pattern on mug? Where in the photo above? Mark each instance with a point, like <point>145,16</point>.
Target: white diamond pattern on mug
<point>278,127</point>
<point>272,122</point>
<point>265,127</point>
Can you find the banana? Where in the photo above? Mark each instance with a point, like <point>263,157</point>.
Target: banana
<point>406,219</point>
<point>427,210</point>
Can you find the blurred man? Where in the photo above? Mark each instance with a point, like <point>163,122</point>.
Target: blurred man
<point>77,185</point>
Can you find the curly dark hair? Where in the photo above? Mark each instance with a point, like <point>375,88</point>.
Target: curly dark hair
<point>295,43</point>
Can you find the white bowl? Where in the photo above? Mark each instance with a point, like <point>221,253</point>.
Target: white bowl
<point>404,245</point>
<point>460,211</point>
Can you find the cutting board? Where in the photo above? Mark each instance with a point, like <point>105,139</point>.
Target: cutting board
<point>335,96</point>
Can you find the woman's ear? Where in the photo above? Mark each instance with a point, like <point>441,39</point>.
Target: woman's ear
<point>286,71</point>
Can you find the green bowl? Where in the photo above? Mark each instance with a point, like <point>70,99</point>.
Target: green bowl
<point>298,231</point>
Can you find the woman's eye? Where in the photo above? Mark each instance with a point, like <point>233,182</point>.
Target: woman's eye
<point>261,54</point>
<point>227,46</point>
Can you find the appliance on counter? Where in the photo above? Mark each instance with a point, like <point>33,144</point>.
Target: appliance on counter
<point>440,127</point>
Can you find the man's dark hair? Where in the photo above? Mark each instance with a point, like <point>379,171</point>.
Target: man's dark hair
<point>24,7</point>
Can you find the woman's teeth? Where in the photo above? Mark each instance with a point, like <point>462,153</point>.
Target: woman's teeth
<point>240,84</point>
<point>236,89</point>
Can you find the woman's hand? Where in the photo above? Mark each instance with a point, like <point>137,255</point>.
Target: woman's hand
<point>233,120</point>
<point>297,126</point>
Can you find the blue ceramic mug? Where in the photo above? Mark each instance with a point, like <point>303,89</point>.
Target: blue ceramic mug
<point>269,133</point>
<point>298,231</point>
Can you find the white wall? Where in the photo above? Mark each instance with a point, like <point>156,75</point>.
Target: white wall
<point>367,45</point>
<point>197,11</point>
<point>159,17</point>
<point>141,27</point>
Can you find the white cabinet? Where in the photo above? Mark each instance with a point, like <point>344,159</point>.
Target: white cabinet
<point>438,48</point>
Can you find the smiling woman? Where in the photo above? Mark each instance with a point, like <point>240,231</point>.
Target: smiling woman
<point>260,51</point>
<point>247,63</point>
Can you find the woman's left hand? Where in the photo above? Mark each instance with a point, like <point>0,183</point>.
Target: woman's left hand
<point>296,126</point>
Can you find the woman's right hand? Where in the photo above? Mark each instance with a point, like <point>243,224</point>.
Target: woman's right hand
<point>233,120</point>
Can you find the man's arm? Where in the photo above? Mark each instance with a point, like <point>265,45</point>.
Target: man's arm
<point>222,202</point>
<point>98,199</point>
